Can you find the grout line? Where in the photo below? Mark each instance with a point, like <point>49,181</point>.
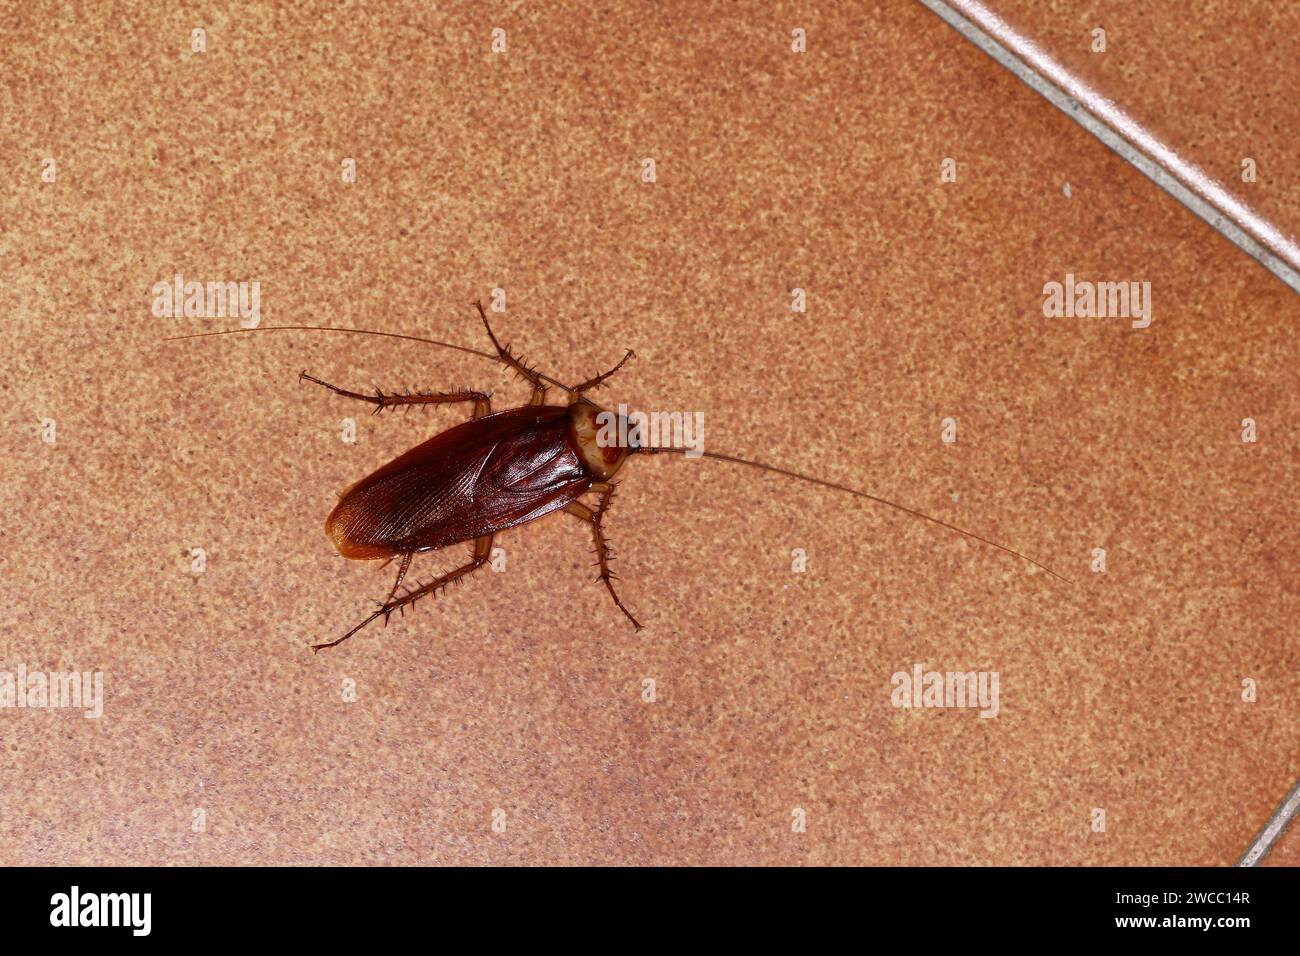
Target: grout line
<point>1273,830</point>
<point>1188,184</point>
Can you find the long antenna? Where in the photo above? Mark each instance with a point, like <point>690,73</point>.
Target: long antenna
<point>719,456</point>
<point>386,335</point>
<point>644,450</point>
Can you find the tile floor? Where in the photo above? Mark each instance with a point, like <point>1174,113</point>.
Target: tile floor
<point>525,691</point>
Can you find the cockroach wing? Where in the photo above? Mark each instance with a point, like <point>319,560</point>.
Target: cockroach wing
<point>479,477</point>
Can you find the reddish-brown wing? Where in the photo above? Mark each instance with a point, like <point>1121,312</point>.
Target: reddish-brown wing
<point>482,476</point>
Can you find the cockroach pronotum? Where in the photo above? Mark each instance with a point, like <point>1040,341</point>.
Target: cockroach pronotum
<point>499,470</point>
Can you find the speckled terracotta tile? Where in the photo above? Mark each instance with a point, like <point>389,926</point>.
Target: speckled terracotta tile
<point>224,741</point>
<point>1213,81</point>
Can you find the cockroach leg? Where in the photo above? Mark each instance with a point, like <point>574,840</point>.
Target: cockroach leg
<point>600,379</point>
<point>536,378</point>
<point>482,552</point>
<point>401,573</point>
<point>479,556</point>
<point>538,397</point>
<point>482,402</point>
<point>508,357</point>
<point>604,554</point>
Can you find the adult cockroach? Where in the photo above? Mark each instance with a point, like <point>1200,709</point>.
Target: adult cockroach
<point>496,471</point>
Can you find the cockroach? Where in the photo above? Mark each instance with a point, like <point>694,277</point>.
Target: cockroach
<point>499,470</point>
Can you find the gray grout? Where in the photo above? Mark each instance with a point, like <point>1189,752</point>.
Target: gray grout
<point>1157,173</point>
<point>1273,830</point>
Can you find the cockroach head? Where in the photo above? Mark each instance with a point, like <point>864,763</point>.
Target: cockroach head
<point>602,437</point>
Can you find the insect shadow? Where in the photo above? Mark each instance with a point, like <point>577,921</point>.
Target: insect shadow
<point>498,470</point>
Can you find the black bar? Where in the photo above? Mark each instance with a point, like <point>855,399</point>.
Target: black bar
<point>334,906</point>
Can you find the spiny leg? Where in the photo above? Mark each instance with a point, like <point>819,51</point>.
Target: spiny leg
<point>401,574</point>
<point>600,379</point>
<point>509,358</point>
<point>482,401</point>
<point>479,557</point>
<point>603,552</point>
<point>535,378</point>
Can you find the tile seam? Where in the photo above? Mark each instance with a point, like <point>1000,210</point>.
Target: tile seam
<point>1273,829</point>
<point>1186,183</point>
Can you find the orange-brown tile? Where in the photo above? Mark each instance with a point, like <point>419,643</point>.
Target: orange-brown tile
<point>1213,81</point>
<point>523,691</point>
